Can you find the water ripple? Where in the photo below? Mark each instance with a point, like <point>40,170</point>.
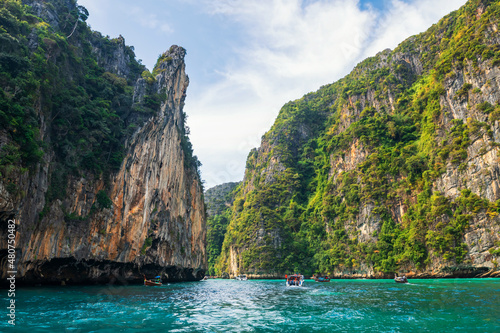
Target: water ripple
<point>265,306</point>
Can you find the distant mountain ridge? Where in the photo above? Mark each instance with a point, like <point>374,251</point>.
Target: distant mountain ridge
<point>219,198</point>
<point>394,168</point>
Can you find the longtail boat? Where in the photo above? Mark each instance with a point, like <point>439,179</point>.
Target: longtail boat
<point>153,282</point>
<point>321,279</point>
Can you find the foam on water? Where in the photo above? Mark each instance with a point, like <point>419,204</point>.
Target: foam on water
<point>264,306</point>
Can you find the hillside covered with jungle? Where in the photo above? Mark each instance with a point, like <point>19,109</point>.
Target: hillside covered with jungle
<point>392,169</point>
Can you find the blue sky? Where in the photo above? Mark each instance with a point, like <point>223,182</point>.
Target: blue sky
<point>246,58</point>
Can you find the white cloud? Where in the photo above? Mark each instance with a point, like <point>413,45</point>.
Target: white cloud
<point>275,51</point>
<point>292,47</point>
<point>289,50</point>
<point>144,16</point>
<point>148,19</point>
<point>406,19</point>
<point>288,40</point>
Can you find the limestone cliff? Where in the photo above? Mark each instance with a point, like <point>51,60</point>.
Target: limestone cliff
<point>393,168</point>
<point>219,200</point>
<point>136,208</point>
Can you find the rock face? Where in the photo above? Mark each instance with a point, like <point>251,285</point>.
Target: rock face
<point>157,194</point>
<point>394,168</point>
<point>49,13</point>
<point>148,217</point>
<point>219,198</point>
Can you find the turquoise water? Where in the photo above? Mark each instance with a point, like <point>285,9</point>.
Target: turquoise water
<point>471,305</point>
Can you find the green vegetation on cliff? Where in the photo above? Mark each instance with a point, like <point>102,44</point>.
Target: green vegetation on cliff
<point>67,92</point>
<point>349,178</point>
<point>41,67</point>
<point>218,202</point>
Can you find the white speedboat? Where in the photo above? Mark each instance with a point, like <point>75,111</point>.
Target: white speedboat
<point>295,280</point>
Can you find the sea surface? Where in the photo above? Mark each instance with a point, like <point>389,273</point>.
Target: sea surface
<point>446,305</point>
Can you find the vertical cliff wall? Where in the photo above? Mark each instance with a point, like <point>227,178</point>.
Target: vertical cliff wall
<point>393,168</point>
<point>157,195</point>
<point>118,210</point>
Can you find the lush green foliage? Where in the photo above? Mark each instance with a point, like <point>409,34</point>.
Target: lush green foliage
<point>57,98</point>
<point>103,200</point>
<point>83,105</point>
<point>218,202</point>
<point>216,231</point>
<point>369,146</point>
